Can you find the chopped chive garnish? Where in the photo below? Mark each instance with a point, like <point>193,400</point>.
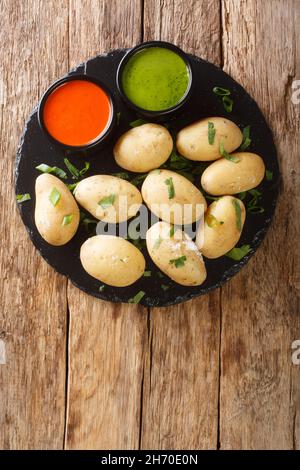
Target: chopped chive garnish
<point>231,158</point>
<point>122,175</point>
<point>211,133</point>
<point>238,253</point>
<point>157,243</point>
<point>107,201</point>
<point>221,91</point>
<point>102,288</point>
<point>72,186</point>
<point>256,209</point>
<point>72,169</point>
<point>253,207</point>
<point>164,287</point>
<point>138,122</point>
<point>172,231</point>
<point>137,298</point>
<point>177,162</point>
<point>178,262</point>
<point>269,175</point>
<point>242,195</point>
<point>246,139</point>
<point>171,190</point>
<point>44,168</point>
<point>67,219</point>
<point>23,197</point>
<point>54,196</point>
<point>139,179</point>
<point>212,221</point>
<point>84,169</point>
<point>238,213</point>
<point>227,103</point>
<point>147,274</point>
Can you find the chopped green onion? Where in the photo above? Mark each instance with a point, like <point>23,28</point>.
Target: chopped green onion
<point>157,243</point>
<point>238,213</point>
<point>227,103</point>
<point>231,158</point>
<point>164,287</point>
<point>211,133</point>
<point>118,118</point>
<point>177,162</point>
<point>67,219</point>
<point>122,175</point>
<point>72,169</point>
<point>138,122</point>
<point>147,274</point>
<point>246,139</point>
<point>72,186</point>
<point>269,175</point>
<point>23,197</point>
<point>172,231</point>
<point>161,275</point>
<point>137,298</point>
<point>212,221</point>
<point>54,196</point>
<point>139,179</point>
<point>242,195</point>
<point>171,190</point>
<point>107,201</point>
<point>102,288</point>
<point>178,262</point>
<point>221,91</point>
<point>238,253</point>
<point>85,169</point>
<point>44,168</point>
<point>256,209</point>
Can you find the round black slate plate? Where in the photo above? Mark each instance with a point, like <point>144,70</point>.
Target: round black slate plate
<point>34,149</point>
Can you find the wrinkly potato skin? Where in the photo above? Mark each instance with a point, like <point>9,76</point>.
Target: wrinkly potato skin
<point>91,190</point>
<point>112,260</point>
<point>155,192</point>
<point>192,141</point>
<point>49,218</point>
<point>226,177</point>
<point>193,272</point>
<point>143,148</point>
<point>216,241</point>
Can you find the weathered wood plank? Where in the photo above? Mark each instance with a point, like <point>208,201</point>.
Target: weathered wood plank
<point>260,388</point>
<point>106,348</point>
<point>32,296</point>
<point>180,403</point>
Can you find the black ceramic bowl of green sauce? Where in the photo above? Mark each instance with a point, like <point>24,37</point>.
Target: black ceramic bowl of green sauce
<point>155,79</point>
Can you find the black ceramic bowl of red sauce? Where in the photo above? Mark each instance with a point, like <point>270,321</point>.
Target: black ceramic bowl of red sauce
<point>77,113</point>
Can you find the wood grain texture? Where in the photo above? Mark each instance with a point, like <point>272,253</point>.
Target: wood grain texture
<point>106,341</point>
<point>260,396</point>
<point>180,400</point>
<point>32,296</point>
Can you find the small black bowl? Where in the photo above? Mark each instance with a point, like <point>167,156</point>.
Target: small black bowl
<point>164,113</point>
<point>102,138</point>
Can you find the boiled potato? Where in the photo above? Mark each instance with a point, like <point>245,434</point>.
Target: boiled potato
<point>56,212</point>
<point>193,141</point>
<point>222,228</point>
<point>173,197</point>
<point>227,177</point>
<point>108,198</point>
<point>143,148</point>
<point>112,260</point>
<point>176,255</point>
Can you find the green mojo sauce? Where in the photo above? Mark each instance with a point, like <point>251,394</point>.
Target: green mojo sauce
<point>155,79</point>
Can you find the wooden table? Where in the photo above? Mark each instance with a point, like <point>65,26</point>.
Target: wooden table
<point>215,372</point>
